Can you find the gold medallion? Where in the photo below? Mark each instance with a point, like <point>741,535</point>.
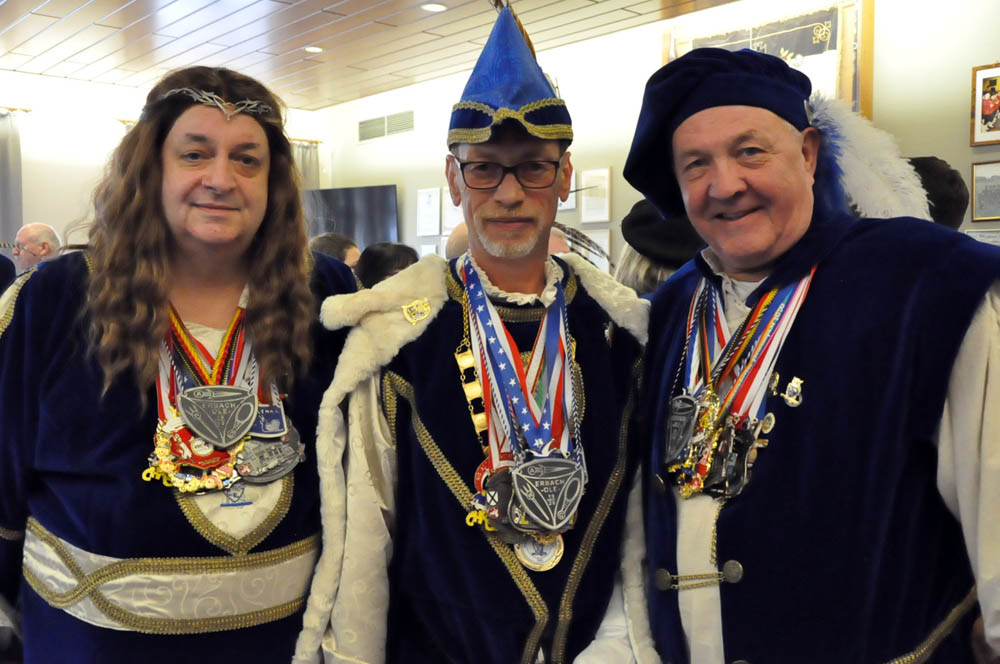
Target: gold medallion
<point>540,556</point>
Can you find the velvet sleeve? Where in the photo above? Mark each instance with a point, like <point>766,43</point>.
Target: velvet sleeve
<point>18,419</point>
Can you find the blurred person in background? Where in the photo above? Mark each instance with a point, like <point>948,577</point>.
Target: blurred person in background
<point>35,243</point>
<point>382,260</point>
<point>337,245</point>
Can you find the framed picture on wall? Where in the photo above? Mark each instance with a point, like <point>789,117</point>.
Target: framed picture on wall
<point>595,189</point>
<point>986,191</point>
<point>985,114</point>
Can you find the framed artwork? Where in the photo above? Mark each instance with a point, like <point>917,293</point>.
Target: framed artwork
<point>986,191</point>
<point>595,190</point>
<point>451,214</point>
<point>828,40</point>
<point>428,211</point>
<point>985,113</point>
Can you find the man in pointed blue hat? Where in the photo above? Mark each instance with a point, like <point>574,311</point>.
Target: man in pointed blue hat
<point>824,462</point>
<point>475,499</point>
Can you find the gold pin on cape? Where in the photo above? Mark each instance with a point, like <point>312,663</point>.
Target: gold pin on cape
<point>793,393</point>
<point>416,311</point>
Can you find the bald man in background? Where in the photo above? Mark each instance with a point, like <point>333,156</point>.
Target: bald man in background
<point>35,243</point>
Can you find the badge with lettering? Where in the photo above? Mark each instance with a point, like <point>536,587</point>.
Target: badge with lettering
<point>221,414</point>
<point>269,422</point>
<point>549,490</point>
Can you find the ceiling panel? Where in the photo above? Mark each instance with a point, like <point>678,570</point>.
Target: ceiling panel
<point>369,45</point>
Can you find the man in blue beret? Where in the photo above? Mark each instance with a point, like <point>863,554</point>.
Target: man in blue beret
<point>489,447</point>
<point>824,463</point>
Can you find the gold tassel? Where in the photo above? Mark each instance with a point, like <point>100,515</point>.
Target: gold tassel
<point>500,4</point>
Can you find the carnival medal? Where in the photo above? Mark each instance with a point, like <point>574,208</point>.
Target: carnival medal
<point>535,475</point>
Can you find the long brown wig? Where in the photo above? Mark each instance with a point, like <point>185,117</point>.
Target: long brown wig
<point>130,244</point>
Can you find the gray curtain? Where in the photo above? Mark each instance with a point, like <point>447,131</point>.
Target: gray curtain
<point>307,159</point>
<point>10,176</point>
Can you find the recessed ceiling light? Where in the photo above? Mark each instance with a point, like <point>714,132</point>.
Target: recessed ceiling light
<point>313,49</point>
<point>433,7</point>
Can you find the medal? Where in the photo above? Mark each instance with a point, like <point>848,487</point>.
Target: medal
<point>264,460</point>
<point>680,428</point>
<point>549,490</point>
<point>534,475</point>
<point>710,441</point>
<point>221,414</point>
<point>218,433</point>
<point>540,556</point>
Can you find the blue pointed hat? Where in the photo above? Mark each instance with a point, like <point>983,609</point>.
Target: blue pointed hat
<point>508,84</point>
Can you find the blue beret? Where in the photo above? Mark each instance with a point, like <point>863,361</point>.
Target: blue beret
<point>701,79</point>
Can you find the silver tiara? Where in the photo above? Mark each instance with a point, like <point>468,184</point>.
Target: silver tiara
<point>212,99</point>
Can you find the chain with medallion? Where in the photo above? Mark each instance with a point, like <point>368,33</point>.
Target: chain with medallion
<point>530,484</point>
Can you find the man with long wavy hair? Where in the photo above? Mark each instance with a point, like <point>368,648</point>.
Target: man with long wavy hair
<point>159,395</point>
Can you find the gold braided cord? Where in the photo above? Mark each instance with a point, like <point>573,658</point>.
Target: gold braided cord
<point>9,298</point>
<point>398,385</point>
<point>608,497</point>
<point>88,584</point>
<point>481,135</point>
<point>11,535</point>
<point>237,546</point>
<point>927,647</point>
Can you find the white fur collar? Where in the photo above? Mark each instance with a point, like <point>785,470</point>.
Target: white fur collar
<point>380,325</point>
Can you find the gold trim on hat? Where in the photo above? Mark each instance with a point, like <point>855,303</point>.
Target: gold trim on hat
<point>481,135</point>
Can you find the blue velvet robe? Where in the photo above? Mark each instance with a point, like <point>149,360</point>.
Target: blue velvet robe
<point>848,550</point>
<point>452,597</point>
<point>74,462</point>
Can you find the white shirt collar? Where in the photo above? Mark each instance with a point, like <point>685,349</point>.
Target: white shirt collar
<point>553,274</point>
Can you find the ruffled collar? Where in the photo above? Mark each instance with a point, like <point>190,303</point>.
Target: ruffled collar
<point>553,275</point>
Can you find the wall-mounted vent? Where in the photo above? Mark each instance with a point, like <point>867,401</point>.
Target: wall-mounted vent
<point>369,129</point>
<point>397,123</point>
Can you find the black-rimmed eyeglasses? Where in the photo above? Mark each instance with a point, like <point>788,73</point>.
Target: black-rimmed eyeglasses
<point>535,174</point>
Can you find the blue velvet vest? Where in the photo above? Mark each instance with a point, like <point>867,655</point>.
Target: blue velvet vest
<point>848,550</point>
<point>457,595</point>
<point>73,461</point>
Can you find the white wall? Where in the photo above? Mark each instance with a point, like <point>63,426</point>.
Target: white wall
<point>68,137</point>
<point>924,55</point>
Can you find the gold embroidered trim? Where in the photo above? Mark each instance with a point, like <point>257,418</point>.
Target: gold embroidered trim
<point>11,535</point>
<point>226,542</point>
<point>396,384</point>
<point>88,584</point>
<point>9,297</point>
<point>517,314</point>
<point>608,498</point>
<point>482,134</point>
<point>924,651</point>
